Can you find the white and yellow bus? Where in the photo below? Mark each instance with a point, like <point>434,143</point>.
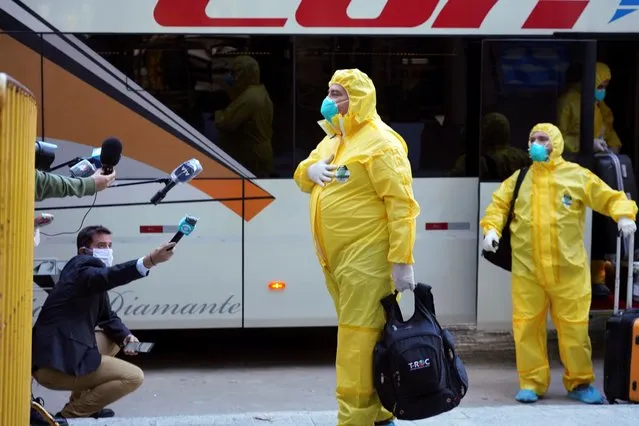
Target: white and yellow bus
<point>148,72</point>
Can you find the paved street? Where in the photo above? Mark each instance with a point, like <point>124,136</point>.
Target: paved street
<point>227,374</point>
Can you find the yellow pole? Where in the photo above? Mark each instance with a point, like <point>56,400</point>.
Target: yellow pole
<point>18,127</point>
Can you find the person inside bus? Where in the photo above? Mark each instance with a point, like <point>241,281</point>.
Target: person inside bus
<point>67,353</point>
<point>362,213</point>
<point>568,121</point>
<point>498,160</point>
<point>549,261</point>
<point>246,124</point>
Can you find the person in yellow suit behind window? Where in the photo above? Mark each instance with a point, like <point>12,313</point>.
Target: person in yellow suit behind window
<point>362,213</point>
<point>246,124</point>
<point>549,262</point>
<point>568,121</point>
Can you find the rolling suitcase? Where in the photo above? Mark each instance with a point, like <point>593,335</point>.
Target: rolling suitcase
<point>616,171</point>
<point>621,362</point>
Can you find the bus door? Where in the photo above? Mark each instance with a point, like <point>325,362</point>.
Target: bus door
<point>522,82</point>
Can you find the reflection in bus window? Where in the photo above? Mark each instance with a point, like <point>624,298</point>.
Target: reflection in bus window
<point>246,124</point>
<point>498,160</point>
<point>190,75</point>
<point>420,86</point>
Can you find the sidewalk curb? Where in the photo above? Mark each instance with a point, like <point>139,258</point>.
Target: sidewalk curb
<point>533,415</point>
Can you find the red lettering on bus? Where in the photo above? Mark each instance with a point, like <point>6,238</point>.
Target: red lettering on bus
<point>192,13</point>
<point>555,14</point>
<point>333,14</point>
<point>464,13</point>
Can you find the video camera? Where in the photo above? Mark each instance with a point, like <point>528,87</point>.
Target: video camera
<point>44,155</point>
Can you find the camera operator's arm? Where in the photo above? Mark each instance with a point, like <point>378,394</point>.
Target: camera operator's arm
<point>111,323</point>
<point>99,279</point>
<point>49,185</point>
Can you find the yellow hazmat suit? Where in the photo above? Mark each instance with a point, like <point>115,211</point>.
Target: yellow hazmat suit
<point>569,113</point>
<point>361,225</point>
<point>568,121</point>
<point>549,262</point>
<point>246,125</point>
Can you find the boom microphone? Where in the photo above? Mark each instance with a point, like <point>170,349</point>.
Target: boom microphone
<point>110,154</point>
<point>182,174</point>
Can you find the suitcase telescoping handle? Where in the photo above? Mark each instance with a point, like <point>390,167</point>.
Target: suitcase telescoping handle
<point>631,251</point>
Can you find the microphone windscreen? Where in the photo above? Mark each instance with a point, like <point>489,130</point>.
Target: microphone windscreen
<point>111,152</point>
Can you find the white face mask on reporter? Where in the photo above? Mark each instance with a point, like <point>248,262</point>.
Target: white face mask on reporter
<point>105,255</point>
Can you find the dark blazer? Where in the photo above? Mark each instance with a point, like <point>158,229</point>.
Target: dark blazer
<point>64,334</point>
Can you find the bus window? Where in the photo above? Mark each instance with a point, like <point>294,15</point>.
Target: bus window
<point>523,83</point>
<point>420,84</point>
<point>215,85</point>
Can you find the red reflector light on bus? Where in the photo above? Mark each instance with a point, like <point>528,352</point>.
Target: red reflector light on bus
<point>276,285</point>
<point>440,226</point>
<point>151,229</point>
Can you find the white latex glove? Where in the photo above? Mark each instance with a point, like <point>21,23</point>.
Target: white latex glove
<point>627,226</point>
<point>600,145</point>
<point>403,276</point>
<point>321,172</point>
<point>490,238</point>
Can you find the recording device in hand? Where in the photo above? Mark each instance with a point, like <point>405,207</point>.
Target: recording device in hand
<point>140,347</point>
<point>110,154</point>
<point>182,174</point>
<point>43,219</point>
<point>82,169</point>
<point>185,227</point>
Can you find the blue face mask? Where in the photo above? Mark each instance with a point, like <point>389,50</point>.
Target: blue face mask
<point>538,152</point>
<point>329,109</point>
<point>600,94</point>
<point>229,80</point>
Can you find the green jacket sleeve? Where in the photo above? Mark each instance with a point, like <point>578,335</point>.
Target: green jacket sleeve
<point>49,185</point>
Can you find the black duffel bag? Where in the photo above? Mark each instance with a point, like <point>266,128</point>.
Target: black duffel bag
<point>416,372</point>
<point>503,257</point>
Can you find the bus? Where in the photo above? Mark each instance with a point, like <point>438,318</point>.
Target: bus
<point>151,73</point>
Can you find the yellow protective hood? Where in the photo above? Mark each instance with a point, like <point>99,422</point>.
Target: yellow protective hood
<point>556,139</point>
<point>362,97</point>
<point>602,73</point>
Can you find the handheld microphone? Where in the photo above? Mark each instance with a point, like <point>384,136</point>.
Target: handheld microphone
<point>182,174</point>
<point>110,154</point>
<point>185,227</point>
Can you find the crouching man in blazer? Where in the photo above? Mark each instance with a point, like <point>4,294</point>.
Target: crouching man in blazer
<point>68,354</point>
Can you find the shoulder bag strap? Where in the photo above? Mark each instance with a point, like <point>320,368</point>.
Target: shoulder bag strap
<point>520,179</point>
